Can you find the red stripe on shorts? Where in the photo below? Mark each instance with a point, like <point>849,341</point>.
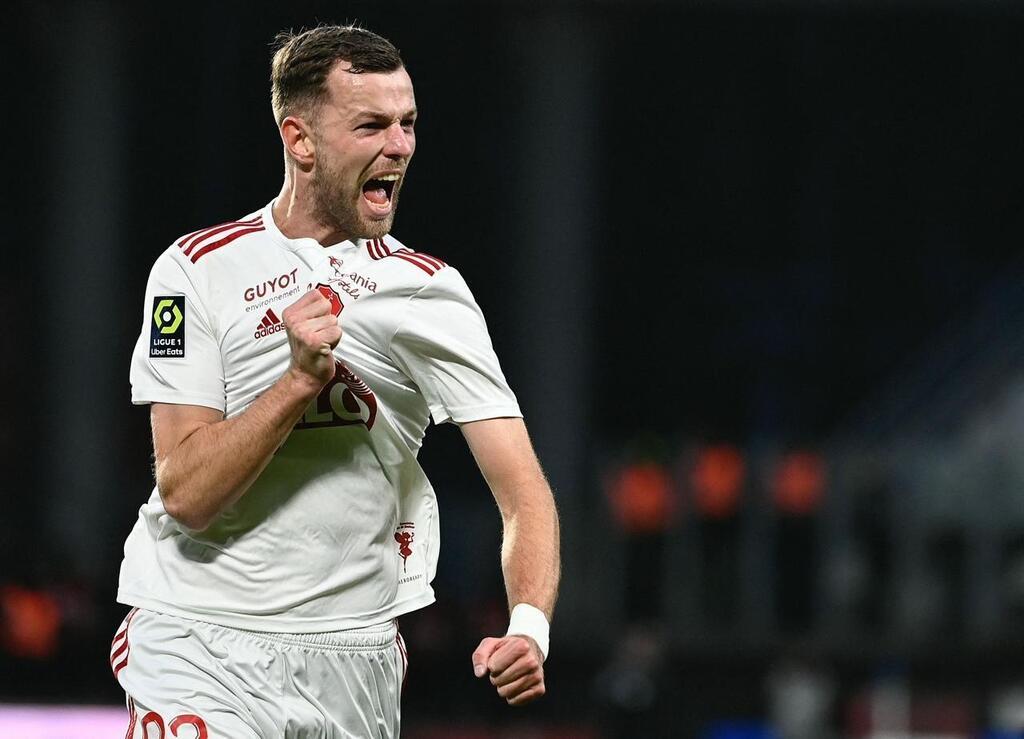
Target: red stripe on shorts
<point>131,719</point>
<point>120,644</point>
<point>405,658</point>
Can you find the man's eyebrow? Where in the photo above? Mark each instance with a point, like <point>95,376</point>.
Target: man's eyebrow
<point>377,115</point>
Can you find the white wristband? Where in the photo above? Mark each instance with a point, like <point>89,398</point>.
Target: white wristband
<point>526,620</point>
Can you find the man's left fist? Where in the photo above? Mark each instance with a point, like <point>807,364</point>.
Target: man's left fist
<point>515,665</point>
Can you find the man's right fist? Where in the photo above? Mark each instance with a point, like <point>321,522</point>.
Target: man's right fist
<point>313,332</point>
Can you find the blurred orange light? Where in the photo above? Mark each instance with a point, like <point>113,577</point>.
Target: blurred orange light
<point>642,498</point>
<point>31,622</point>
<point>717,480</point>
<point>798,485</point>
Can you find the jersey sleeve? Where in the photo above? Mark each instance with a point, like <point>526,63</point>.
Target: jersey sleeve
<point>442,344</point>
<point>177,358</point>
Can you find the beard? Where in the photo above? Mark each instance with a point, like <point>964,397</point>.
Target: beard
<point>335,204</point>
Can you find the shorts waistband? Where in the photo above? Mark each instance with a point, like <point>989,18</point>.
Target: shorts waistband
<point>377,636</point>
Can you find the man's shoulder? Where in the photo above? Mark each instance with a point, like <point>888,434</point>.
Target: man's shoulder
<point>194,249</point>
<point>415,267</point>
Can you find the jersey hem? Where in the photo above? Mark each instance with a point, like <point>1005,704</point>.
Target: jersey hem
<point>474,413</point>
<point>206,401</point>
<point>277,623</point>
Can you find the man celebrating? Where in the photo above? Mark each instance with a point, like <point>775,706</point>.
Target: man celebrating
<point>292,360</point>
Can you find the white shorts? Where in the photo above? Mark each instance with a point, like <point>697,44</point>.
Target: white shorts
<point>189,679</point>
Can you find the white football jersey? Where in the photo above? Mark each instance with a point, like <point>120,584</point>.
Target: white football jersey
<point>341,528</point>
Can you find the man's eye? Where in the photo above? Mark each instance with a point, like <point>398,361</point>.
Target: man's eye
<point>409,123</point>
<point>370,126</point>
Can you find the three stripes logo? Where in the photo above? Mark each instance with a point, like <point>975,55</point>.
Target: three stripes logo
<point>270,324</point>
<point>206,240</point>
<point>378,249</point>
<point>120,647</point>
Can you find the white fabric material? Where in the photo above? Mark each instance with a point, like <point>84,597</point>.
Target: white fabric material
<point>530,621</point>
<point>231,683</point>
<point>341,529</point>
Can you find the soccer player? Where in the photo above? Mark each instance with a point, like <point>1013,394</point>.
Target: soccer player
<point>292,359</point>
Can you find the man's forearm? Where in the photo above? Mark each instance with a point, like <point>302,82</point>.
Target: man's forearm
<point>214,465</point>
<point>530,557</point>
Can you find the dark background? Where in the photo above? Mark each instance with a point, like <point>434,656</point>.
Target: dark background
<point>781,226</point>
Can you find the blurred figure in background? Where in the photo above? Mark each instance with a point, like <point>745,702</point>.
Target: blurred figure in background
<point>636,683</point>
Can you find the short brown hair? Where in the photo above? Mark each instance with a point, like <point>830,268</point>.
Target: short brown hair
<point>303,60</point>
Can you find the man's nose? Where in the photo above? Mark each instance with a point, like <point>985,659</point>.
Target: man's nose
<point>399,143</point>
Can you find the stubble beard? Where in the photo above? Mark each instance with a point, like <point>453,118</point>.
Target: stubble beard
<point>335,208</point>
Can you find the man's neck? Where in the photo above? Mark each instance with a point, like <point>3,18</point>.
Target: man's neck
<point>296,221</point>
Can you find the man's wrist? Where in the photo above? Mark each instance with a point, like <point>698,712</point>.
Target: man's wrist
<point>527,620</point>
<point>305,384</point>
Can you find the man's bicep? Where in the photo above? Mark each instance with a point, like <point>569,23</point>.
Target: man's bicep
<point>502,450</point>
<point>173,423</point>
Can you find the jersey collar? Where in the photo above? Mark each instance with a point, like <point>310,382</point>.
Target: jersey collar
<point>302,245</point>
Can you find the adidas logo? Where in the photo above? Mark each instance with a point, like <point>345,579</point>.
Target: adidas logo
<point>270,324</point>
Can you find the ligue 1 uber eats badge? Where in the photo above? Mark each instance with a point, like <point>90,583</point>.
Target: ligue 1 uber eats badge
<point>167,332</point>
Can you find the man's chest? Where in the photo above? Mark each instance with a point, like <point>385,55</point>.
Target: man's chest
<point>250,304</point>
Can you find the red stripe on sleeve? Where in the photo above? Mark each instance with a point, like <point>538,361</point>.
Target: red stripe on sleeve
<point>411,260</point>
<point>377,248</point>
<point>437,263</point>
<point>197,236</point>
<point>225,241</point>
<point>432,264</point>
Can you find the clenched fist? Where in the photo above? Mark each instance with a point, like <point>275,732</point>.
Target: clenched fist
<point>313,332</point>
<point>515,665</point>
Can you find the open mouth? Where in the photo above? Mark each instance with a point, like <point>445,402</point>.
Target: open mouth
<point>379,190</point>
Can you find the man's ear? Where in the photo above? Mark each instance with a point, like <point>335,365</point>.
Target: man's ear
<point>297,136</point>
